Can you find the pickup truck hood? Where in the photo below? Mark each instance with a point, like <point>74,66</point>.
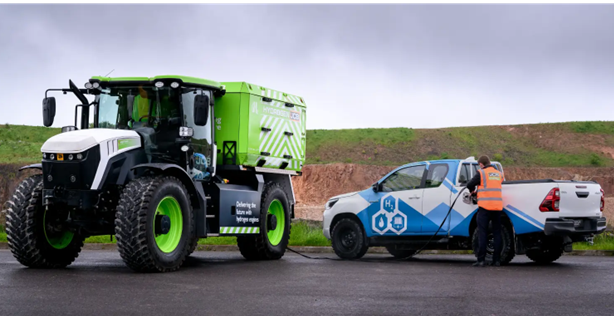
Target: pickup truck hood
<point>344,195</point>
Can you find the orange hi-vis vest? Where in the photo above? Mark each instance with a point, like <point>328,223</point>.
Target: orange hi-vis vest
<point>489,190</point>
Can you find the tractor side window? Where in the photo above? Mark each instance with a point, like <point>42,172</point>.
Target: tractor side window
<point>405,179</point>
<point>436,175</point>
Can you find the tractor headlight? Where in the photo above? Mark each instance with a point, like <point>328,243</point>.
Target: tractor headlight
<point>79,156</point>
<point>88,85</point>
<point>175,85</point>
<point>96,85</point>
<point>70,157</point>
<point>159,84</point>
<point>186,131</point>
<point>44,156</point>
<point>52,156</point>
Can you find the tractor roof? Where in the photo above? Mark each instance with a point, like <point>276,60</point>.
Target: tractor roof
<point>139,80</point>
<point>224,87</point>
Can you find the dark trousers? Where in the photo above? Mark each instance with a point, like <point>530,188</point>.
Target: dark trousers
<point>484,217</point>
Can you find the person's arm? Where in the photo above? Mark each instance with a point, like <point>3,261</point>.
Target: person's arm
<point>473,183</point>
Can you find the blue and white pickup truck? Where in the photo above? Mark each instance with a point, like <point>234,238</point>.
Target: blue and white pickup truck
<point>405,208</point>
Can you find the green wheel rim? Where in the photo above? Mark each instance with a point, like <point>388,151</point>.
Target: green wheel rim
<point>57,240</point>
<point>277,209</point>
<point>169,207</point>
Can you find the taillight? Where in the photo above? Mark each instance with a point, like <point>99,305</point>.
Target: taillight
<point>602,200</point>
<point>551,202</point>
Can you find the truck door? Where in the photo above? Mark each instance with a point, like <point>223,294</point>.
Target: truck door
<point>461,215</point>
<point>399,202</point>
<point>436,198</point>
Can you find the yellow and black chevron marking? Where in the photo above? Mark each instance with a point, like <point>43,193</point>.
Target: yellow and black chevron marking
<point>239,230</point>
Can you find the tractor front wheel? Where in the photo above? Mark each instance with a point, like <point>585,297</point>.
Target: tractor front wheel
<point>154,224</point>
<point>37,237</point>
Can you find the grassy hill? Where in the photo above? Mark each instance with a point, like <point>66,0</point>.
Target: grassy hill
<point>544,145</point>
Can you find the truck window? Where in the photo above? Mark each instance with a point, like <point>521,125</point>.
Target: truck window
<point>405,179</point>
<point>475,168</point>
<point>465,174</point>
<point>436,175</point>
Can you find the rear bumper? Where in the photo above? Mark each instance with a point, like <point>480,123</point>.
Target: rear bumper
<point>574,226</point>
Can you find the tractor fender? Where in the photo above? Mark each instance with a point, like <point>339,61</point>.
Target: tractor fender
<point>33,166</point>
<point>195,190</point>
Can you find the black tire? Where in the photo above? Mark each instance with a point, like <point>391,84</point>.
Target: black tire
<point>508,250</point>
<point>348,239</point>
<point>193,245</point>
<point>259,247</point>
<point>549,253</point>
<point>25,228</point>
<point>134,224</point>
<point>400,253</point>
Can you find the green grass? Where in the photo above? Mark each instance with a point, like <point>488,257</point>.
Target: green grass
<point>599,127</point>
<point>534,145</point>
<point>22,144</point>
<point>603,241</point>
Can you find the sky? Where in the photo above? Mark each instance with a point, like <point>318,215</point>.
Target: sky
<point>356,66</point>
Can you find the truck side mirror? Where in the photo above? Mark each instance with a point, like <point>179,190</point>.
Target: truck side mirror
<point>48,111</point>
<point>201,110</point>
<point>376,187</point>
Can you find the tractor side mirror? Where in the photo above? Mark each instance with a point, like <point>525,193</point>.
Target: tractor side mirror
<point>48,111</point>
<point>201,110</point>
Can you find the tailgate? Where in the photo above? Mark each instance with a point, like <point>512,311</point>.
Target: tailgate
<point>580,199</point>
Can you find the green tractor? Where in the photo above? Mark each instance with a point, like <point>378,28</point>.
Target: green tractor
<point>142,162</point>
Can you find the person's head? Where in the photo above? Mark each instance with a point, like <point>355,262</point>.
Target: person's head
<point>142,92</point>
<point>484,161</point>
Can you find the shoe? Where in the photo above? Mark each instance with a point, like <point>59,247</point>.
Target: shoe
<point>479,264</point>
<point>497,264</point>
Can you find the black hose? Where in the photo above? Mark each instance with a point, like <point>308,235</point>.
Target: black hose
<point>403,258</point>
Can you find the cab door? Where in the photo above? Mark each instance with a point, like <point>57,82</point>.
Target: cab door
<point>398,202</point>
<point>436,198</point>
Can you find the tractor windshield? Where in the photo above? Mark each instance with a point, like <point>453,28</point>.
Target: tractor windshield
<point>138,106</point>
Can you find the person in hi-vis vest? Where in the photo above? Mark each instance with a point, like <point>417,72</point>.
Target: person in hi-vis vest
<point>488,181</point>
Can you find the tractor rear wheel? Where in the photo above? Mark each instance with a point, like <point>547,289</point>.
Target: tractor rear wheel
<point>154,224</point>
<point>272,240</point>
<point>38,237</point>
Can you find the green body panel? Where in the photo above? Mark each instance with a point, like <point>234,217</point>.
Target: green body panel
<point>241,114</point>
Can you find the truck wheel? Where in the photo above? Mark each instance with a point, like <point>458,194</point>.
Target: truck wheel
<point>272,241</point>
<point>400,253</point>
<point>507,247</point>
<point>548,254</point>
<point>154,224</point>
<point>193,245</point>
<point>348,239</point>
<point>35,236</point>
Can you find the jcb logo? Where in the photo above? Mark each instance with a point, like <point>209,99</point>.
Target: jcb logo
<point>295,116</point>
<point>494,176</point>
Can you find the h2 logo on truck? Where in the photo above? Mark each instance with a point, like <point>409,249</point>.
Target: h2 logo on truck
<point>389,217</point>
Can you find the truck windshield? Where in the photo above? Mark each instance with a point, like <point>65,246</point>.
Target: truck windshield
<point>150,106</point>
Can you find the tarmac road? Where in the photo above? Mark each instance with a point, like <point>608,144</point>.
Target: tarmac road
<point>222,283</point>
